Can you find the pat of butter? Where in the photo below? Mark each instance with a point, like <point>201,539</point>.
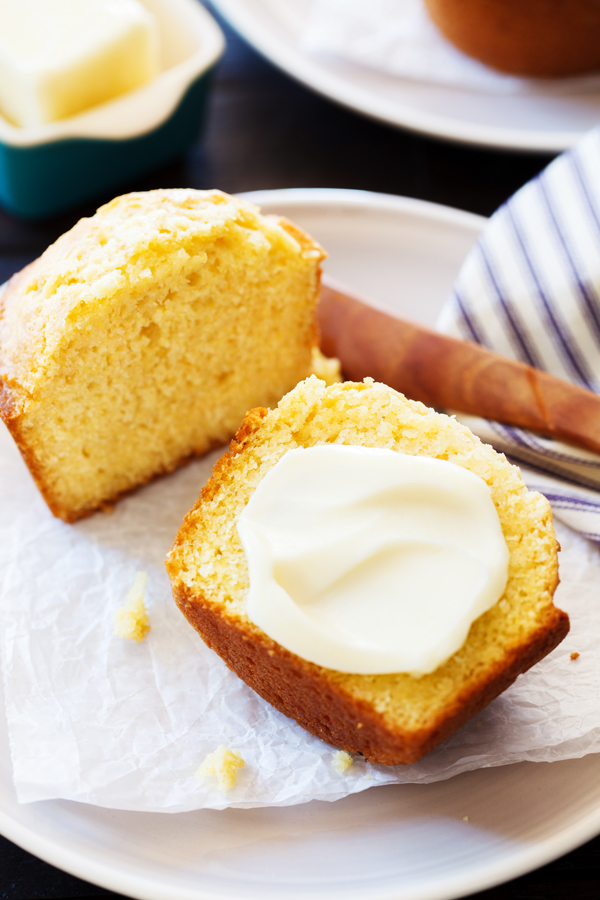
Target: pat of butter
<point>371,561</point>
<point>59,57</point>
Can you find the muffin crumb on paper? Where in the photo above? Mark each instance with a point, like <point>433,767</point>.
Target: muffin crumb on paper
<point>341,761</point>
<point>222,764</point>
<point>131,620</point>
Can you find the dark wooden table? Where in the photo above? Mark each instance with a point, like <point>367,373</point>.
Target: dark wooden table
<point>266,131</point>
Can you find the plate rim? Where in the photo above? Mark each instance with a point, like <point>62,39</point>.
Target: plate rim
<point>348,197</point>
<point>146,887</point>
<point>333,87</point>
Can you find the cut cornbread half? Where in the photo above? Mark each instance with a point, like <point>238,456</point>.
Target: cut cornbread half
<point>390,719</point>
<point>144,334</point>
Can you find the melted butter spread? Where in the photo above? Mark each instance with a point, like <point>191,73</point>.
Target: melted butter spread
<point>371,561</point>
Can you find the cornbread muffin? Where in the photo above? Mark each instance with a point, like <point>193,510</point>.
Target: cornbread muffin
<point>144,334</point>
<point>536,38</point>
<point>390,719</point>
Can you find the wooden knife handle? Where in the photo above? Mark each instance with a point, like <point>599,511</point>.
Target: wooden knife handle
<point>445,372</point>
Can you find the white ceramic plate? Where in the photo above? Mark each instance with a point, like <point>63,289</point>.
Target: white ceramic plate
<point>402,842</point>
<point>539,121</point>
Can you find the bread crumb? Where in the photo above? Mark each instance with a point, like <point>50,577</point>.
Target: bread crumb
<point>222,764</point>
<point>574,655</point>
<point>479,724</point>
<point>131,620</point>
<point>328,369</point>
<point>341,761</point>
<point>465,818</point>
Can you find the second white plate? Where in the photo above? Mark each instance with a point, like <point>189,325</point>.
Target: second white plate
<point>542,120</point>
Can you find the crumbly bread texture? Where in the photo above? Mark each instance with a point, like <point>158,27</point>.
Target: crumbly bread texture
<point>390,719</point>
<point>144,334</point>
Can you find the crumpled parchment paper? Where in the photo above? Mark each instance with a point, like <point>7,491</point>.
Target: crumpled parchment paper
<point>95,718</point>
<point>398,37</point>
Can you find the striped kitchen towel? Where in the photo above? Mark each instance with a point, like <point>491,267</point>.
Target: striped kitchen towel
<point>530,290</point>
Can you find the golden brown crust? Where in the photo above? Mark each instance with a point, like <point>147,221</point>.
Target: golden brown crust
<point>303,691</point>
<point>540,38</point>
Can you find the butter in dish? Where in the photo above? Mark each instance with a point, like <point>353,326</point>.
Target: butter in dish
<point>48,168</point>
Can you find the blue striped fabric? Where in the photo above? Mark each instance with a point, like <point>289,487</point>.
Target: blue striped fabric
<point>530,290</point>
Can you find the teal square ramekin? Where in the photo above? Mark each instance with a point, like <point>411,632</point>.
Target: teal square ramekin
<point>51,168</point>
